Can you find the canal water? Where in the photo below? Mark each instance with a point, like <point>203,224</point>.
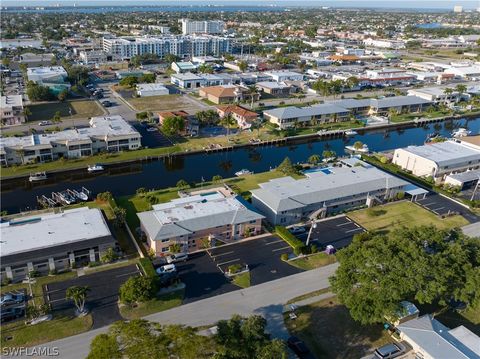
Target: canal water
<point>20,195</point>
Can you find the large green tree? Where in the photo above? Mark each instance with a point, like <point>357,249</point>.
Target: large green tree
<point>421,264</point>
<point>138,289</point>
<point>173,125</point>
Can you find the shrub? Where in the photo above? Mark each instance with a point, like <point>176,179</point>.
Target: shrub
<point>93,264</point>
<point>138,289</point>
<point>109,256</point>
<point>294,242</point>
<point>313,248</point>
<point>6,281</point>
<point>234,268</point>
<point>33,274</point>
<point>147,267</point>
<point>52,272</point>
<point>284,257</point>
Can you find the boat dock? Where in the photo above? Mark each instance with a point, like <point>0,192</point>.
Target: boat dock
<point>63,198</point>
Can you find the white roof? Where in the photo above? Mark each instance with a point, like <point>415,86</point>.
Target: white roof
<point>46,71</point>
<point>52,229</point>
<point>150,87</point>
<point>11,100</point>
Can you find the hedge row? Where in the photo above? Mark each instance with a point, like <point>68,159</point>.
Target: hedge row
<point>294,242</point>
<point>147,267</point>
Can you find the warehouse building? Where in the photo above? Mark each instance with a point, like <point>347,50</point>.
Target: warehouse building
<point>286,201</point>
<point>53,241</point>
<point>437,160</point>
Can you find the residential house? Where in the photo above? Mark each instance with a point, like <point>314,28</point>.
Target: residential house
<point>227,94</point>
<point>245,118</point>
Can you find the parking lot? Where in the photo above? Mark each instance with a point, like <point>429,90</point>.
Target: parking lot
<point>338,232</point>
<point>443,206</point>
<point>102,297</point>
<point>152,139</point>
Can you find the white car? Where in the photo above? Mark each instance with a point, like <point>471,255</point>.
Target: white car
<point>178,257</point>
<point>168,268</point>
<point>44,123</point>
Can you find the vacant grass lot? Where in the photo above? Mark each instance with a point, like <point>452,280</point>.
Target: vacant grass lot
<point>330,332</point>
<point>80,109</point>
<point>159,304</point>
<point>385,218</point>
<point>65,324</point>
<point>313,261</point>
<point>162,103</point>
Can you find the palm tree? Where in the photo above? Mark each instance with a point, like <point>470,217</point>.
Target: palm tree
<point>392,112</point>
<point>461,89</point>
<point>228,121</point>
<point>79,295</point>
<point>447,91</point>
<point>314,159</point>
<point>27,112</point>
<point>252,92</point>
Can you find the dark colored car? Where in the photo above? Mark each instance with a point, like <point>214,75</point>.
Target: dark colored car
<point>298,347</point>
<point>11,298</point>
<point>11,313</point>
<point>389,351</point>
<point>106,103</point>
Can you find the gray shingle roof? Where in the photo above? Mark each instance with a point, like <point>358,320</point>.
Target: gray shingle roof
<point>398,101</point>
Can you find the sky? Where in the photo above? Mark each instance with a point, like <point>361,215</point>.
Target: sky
<point>437,4</point>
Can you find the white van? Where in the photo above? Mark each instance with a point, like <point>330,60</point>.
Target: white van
<point>177,257</point>
<point>168,268</point>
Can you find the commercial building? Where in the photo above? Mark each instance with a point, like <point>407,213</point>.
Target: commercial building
<point>245,118</point>
<point>146,90</point>
<point>202,27</point>
<point>436,95</point>
<point>277,89</point>
<point>11,110</point>
<point>463,180</point>
<point>184,66</point>
<point>181,46</point>
<point>280,76</point>
<point>430,339</point>
<point>105,134</point>
<point>187,80</point>
<point>54,77</point>
<point>35,60</point>
<point>198,221</point>
<point>437,160</point>
<point>286,201</point>
<point>467,72</point>
<point>53,241</point>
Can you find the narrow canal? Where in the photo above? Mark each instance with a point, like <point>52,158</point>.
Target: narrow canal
<point>20,195</point>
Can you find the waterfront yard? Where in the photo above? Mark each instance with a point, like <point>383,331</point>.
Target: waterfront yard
<point>330,332</point>
<point>385,218</point>
<point>78,109</point>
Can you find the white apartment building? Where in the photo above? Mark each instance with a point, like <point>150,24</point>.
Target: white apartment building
<point>105,134</point>
<point>181,46</point>
<point>11,110</point>
<point>202,27</point>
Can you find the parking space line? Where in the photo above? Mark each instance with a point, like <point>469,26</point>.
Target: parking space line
<point>437,209</point>
<point>125,274</point>
<point>57,300</point>
<point>280,249</point>
<point>221,254</point>
<point>353,230</point>
<point>428,204</point>
<point>357,225</point>
<point>233,260</point>
<point>344,224</point>
<point>273,242</point>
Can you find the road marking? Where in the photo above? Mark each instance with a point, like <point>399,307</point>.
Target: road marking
<point>357,225</point>
<point>353,230</point>
<point>221,254</point>
<point>428,204</point>
<point>273,242</point>
<point>57,300</point>
<point>280,249</point>
<point>344,224</point>
<point>437,209</point>
<point>125,274</point>
<point>233,260</point>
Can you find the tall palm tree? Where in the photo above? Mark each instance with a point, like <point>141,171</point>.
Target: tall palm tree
<point>252,92</point>
<point>227,121</point>
<point>79,296</point>
<point>447,91</point>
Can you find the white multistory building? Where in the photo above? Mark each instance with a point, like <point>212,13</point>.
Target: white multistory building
<point>202,27</point>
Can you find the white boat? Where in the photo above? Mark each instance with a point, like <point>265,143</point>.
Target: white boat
<point>37,176</point>
<point>81,196</point>
<point>351,133</point>
<point>95,168</point>
<point>461,132</point>
<point>243,172</point>
<point>363,149</point>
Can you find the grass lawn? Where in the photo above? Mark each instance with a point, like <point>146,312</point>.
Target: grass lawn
<point>63,325</point>
<point>242,280</point>
<point>330,332</point>
<point>309,295</point>
<point>83,162</point>
<point>79,108</point>
<point>247,183</point>
<point>159,304</point>
<point>313,261</point>
<point>385,218</point>
<point>159,103</point>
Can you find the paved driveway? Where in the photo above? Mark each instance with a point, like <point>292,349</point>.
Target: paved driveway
<point>442,206</point>
<point>102,298</point>
<point>337,231</point>
<point>262,256</point>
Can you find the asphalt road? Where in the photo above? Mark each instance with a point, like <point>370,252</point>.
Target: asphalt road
<point>266,299</point>
<point>338,232</point>
<point>443,206</point>
<point>262,256</point>
<point>102,298</point>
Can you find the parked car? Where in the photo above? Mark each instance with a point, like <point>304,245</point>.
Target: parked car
<point>11,313</point>
<point>298,347</point>
<point>152,129</point>
<point>11,298</point>
<point>167,279</point>
<point>178,257</point>
<point>297,230</point>
<point>168,268</point>
<point>45,123</point>
<point>106,103</point>
<point>389,351</point>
